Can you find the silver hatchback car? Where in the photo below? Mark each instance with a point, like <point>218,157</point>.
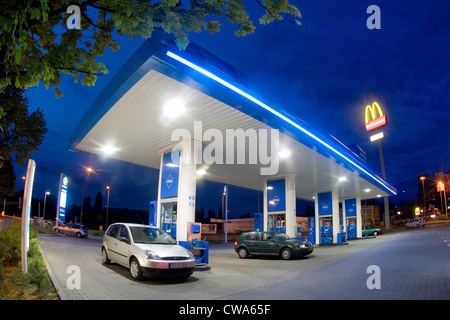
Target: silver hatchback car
<point>146,251</point>
<point>73,229</point>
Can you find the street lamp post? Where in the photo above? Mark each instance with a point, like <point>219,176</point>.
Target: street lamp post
<point>441,188</point>
<point>107,208</point>
<point>89,170</point>
<point>225,210</point>
<point>45,200</point>
<point>423,190</point>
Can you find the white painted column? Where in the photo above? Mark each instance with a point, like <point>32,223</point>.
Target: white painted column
<point>316,218</point>
<point>335,217</point>
<point>344,218</point>
<point>158,204</point>
<point>358,218</point>
<point>291,223</point>
<point>187,187</point>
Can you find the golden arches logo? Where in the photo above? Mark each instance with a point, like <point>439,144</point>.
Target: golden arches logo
<point>375,118</point>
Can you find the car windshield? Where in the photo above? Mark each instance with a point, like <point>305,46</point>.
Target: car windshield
<point>150,236</point>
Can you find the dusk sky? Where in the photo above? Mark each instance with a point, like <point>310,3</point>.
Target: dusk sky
<point>325,72</point>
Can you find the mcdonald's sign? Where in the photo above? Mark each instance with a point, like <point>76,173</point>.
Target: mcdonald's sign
<point>375,118</point>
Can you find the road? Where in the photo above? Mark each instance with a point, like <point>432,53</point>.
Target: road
<point>409,265</point>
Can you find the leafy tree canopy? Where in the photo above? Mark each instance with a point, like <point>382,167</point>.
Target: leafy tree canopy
<point>36,45</point>
<point>22,133</point>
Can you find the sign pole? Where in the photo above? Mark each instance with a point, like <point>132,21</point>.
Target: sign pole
<point>27,195</point>
<point>374,119</point>
<point>387,221</point>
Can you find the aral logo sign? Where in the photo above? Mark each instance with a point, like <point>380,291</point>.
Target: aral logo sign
<point>374,117</point>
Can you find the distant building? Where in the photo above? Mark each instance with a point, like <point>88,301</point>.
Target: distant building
<point>370,215</point>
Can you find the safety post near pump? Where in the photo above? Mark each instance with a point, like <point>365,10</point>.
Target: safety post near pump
<point>27,195</point>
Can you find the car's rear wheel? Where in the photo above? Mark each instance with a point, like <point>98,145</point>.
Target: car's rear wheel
<point>286,253</point>
<point>78,234</point>
<point>135,269</point>
<point>243,253</point>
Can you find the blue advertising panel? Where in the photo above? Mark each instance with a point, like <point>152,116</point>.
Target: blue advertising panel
<point>169,175</point>
<point>63,198</point>
<point>276,195</point>
<point>350,208</point>
<point>325,203</point>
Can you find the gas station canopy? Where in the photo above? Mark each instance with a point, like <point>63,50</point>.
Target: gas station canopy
<point>132,120</point>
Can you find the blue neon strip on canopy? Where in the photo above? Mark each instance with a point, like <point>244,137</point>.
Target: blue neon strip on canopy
<point>273,111</point>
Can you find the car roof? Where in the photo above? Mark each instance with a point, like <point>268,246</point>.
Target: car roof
<point>133,224</point>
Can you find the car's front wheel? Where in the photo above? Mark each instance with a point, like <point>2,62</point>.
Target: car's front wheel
<point>286,253</point>
<point>135,269</point>
<point>243,253</point>
<point>105,258</point>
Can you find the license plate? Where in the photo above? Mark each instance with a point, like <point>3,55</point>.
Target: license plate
<point>177,265</point>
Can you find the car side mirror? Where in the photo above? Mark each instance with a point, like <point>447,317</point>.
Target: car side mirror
<point>123,239</point>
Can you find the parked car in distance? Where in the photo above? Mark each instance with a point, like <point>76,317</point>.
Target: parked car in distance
<point>415,223</point>
<point>271,243</point>
<point>146,251</point>
<point>370,231</point>
<point>72,229</point>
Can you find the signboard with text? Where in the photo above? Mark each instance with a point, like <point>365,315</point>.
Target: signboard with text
<point>325,203</point>
<point>62,198</point>
<point>276,195</point>
<point>374,117</point>
<point>170,175</point>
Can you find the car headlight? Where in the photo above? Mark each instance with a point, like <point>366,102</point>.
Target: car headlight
<point>151,255</point>
<point>191,256</point>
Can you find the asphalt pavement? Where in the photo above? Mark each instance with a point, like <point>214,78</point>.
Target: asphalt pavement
<point>409,265</point>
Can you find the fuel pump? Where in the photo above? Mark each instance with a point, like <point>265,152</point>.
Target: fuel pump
<point>259,226</point>
<point>351,228</point>
<point>311,230</point>
<point>326,230</point>
<point>276,222</point>
<point>169,218</point>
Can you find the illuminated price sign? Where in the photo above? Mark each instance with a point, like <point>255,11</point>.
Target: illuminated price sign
<point>63,197</point>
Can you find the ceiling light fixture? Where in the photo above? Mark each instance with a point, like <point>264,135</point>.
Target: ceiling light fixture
<point>284,153</point>
<point>174,107</point>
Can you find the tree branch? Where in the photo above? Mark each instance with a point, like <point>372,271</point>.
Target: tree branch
<point>93,24</point>
<point>77,70</point>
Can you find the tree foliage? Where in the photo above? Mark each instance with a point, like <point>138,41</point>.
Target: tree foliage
<point>36,45</point>
<point>22,133</point>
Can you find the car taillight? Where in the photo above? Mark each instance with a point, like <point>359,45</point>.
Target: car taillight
<point>235,243</point>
